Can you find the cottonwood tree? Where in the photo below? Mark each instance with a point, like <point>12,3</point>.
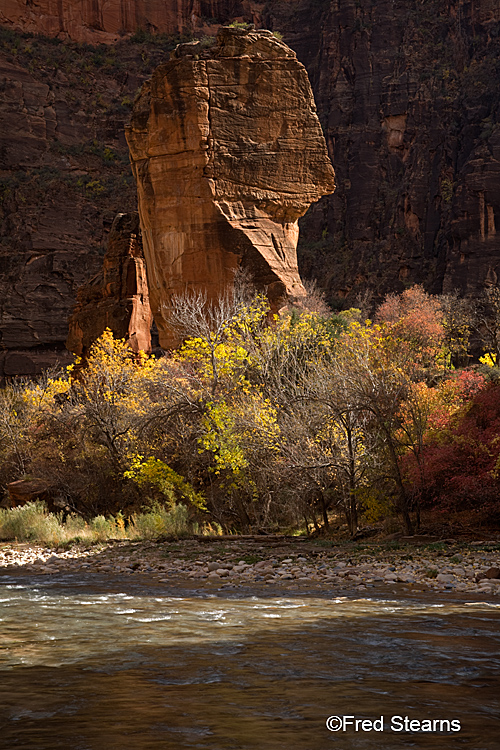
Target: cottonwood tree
<point>236,423</point>
<point>376,375</point>
<point>216,333</point>
<point>322,443</point>
<point>330,441</point>
<point>458,322</point>
<point>14,434</point>
<point>29,414</point>
<point>108,395</point>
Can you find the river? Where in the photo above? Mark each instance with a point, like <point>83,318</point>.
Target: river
<point>94,663</point>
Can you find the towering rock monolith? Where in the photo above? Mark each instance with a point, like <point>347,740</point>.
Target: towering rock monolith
<point>228,153</point>
<point>117,298</point>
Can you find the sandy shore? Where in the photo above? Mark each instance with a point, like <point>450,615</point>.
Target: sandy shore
<point>292,564</point>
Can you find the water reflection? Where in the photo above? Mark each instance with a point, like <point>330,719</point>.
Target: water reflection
<point>85,669</point>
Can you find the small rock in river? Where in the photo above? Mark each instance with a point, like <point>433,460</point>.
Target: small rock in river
<point>492,573</point>
<point>445,578</point>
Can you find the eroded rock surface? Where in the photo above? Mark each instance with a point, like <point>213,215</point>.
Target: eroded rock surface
<point>105,21</point>
<point>407,93</point>
<point>60,189</point>
<point>407,96</point>
<point>117,298</point>
<point>227,153</point>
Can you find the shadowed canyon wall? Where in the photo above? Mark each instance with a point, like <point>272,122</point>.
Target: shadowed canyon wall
<point>116,298</point>
<point>407,93</point>
<point>228,153</point>
<point>64,175</point>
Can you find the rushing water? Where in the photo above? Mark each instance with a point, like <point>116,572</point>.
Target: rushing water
<point>89,665</point>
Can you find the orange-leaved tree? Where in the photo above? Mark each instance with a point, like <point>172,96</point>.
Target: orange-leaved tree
<point>415,321</point>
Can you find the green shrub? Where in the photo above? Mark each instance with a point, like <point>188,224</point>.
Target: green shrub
<point>104,528</point>
<point>78,530</point>
<point>239,25</point>
<point>158,475</point>
<point>31,522</point>
<point>157,521</point>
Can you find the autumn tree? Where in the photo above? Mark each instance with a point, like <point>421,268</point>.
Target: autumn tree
<point>459,465</point>
<point>458,322</point>
<point>285,360</point>
<point>327,439</point>
<point>415,320</point>
<point>26,407</point>
<point>107,396</point>
<point>426,413</point>
<point>236,430</point>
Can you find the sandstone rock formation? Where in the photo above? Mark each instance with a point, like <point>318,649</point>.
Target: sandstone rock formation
<point>60,188</point>
<point>92,22</point>
<point>117,298</point>
<point>105,21</point>
<point>24,491</point>
<point>407,93</point>
<point>228,153</point>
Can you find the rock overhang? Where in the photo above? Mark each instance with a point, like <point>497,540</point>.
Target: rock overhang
<point>228,153</point>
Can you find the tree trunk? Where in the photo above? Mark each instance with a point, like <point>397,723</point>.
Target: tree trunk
<point>242,512</point>
<point>353,506</point>
<point>354,513</point>
<point>324,511</point>
<point>403,499</point>
<point>315,522</point>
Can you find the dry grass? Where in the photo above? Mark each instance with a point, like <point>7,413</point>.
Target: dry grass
<point>33,523</point>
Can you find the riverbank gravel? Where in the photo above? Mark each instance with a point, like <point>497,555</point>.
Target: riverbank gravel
<point>468,568</point>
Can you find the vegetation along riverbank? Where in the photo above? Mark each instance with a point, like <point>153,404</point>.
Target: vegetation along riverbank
<point>307,422</point>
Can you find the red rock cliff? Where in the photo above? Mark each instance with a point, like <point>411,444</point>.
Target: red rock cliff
<point>227,153</point>
<point>104,21</point>
<point>407,93</point>
<point>117,298</point>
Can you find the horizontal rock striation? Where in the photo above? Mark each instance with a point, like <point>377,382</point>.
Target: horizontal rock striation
<point>64,175</point>
<point>117,298</point>
<point>227,153</point>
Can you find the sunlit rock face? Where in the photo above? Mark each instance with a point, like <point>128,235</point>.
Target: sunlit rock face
<point>117,298</point>
<point>227,153</point>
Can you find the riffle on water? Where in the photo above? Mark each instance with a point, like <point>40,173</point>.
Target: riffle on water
<point>88,667</point>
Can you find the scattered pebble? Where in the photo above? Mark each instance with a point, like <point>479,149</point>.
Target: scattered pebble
<point>470,571</point>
